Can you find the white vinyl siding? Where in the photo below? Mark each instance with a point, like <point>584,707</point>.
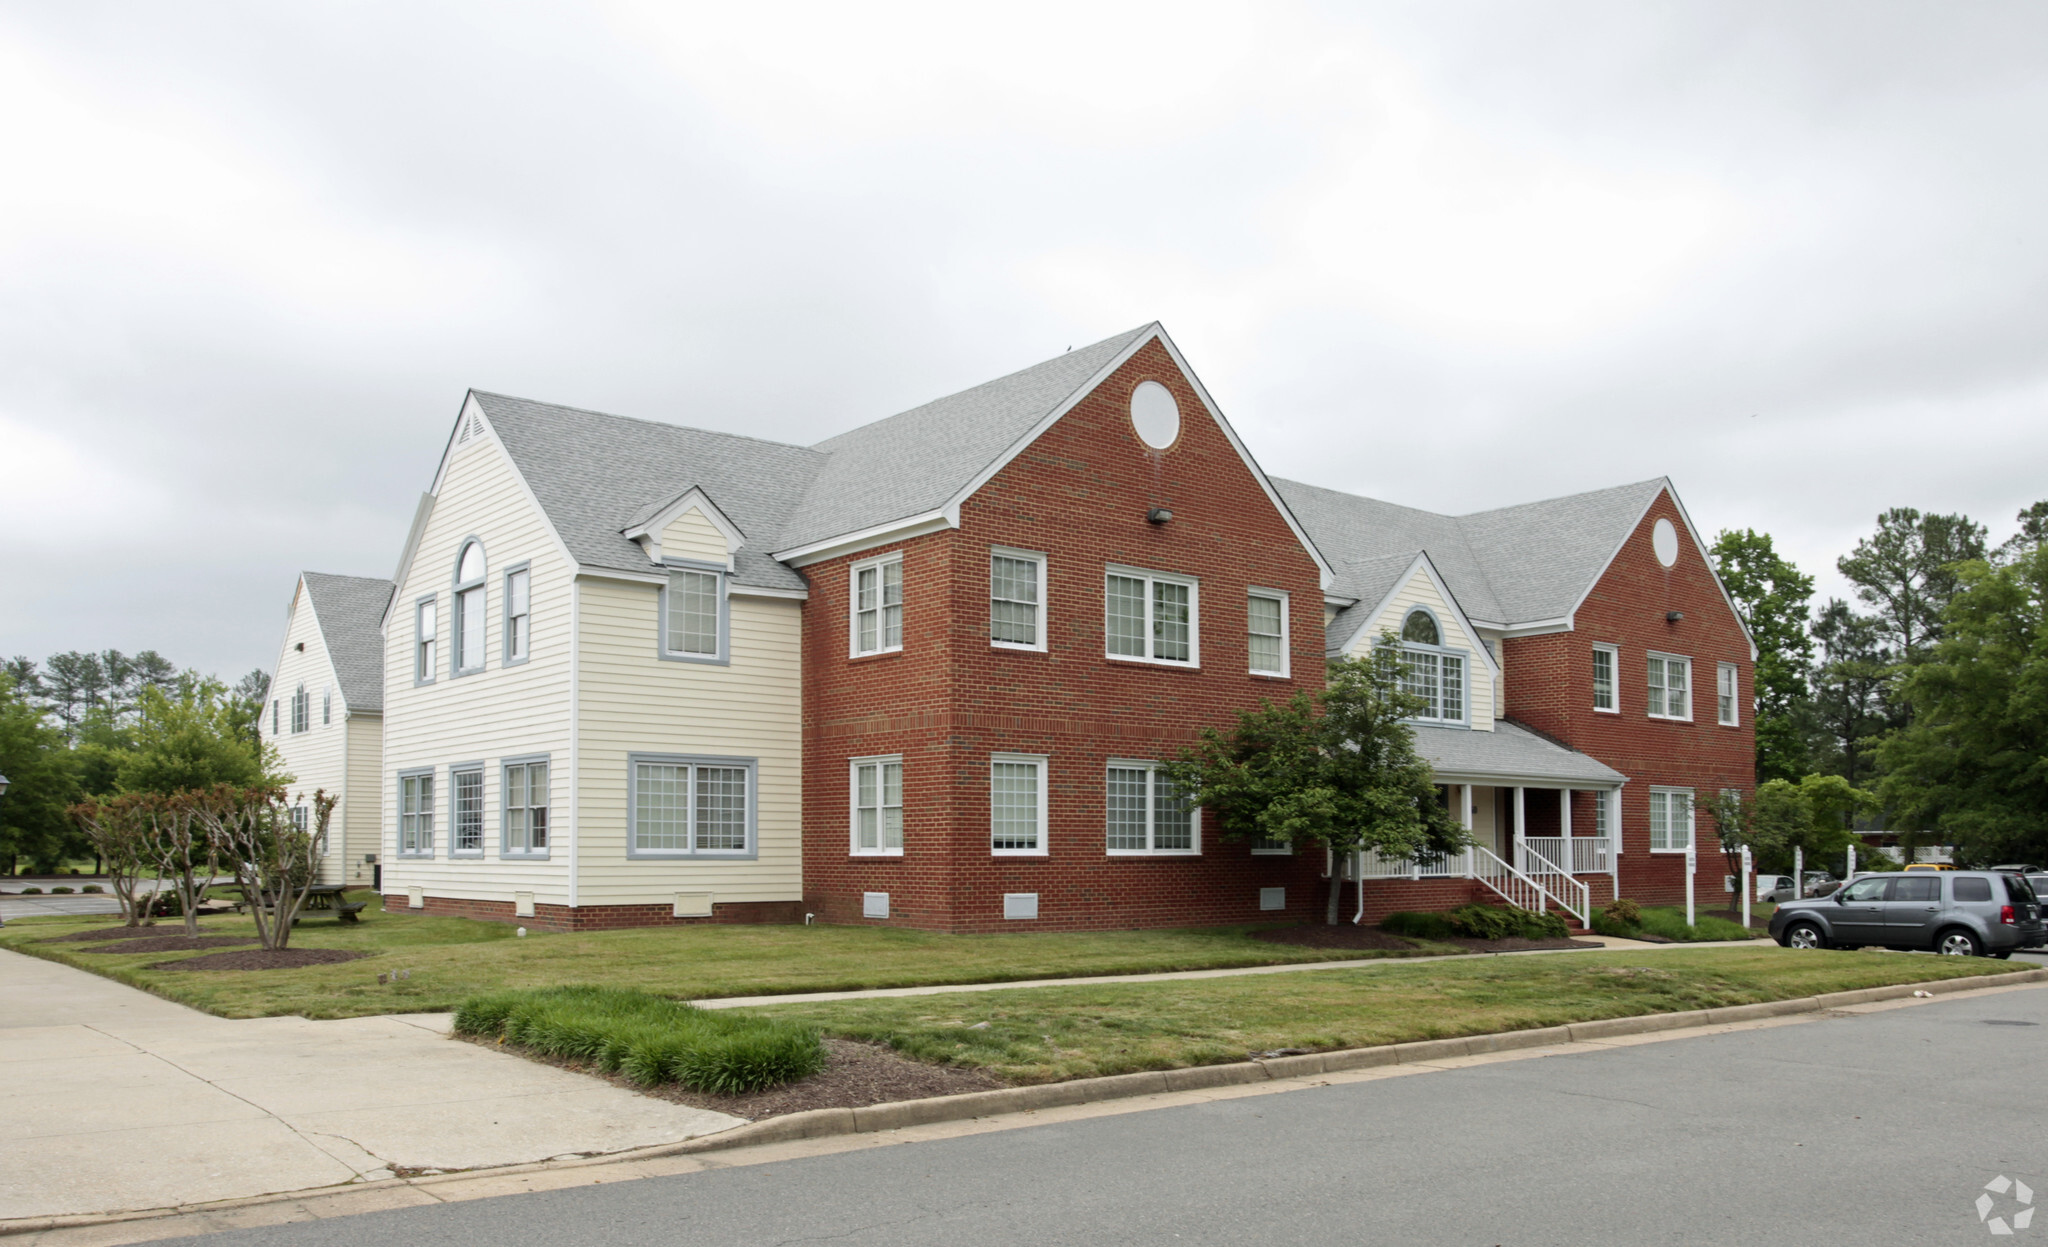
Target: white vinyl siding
<point>1017,805</point>
<point>466,812</point>
<point>878,807</point>
<point>1145,812</point>
<point>1016,599</point>
<point>1606,661</point>
<point>1671,819</point>
<point>1726,684</point>
<point>692,807</point>
<point>518,614</point>
<point>1670,687</point>
<point>878,605</point>
<point>1266,632</point>
<point>416,815</point>
<point>525,821</point>
<point>1421,591</point>
<point>694,608</point>
<point>1152,617</point>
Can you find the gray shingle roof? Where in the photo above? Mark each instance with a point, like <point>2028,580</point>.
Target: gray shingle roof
<point>1515,565</point>
<point>350,610</point>
<point>914,462</point>
<point>1510,751</point>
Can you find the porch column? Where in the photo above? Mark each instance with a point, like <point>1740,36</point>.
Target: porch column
<point>1465,817</point>
<point>1564,828</point>
<point>1521,861</point>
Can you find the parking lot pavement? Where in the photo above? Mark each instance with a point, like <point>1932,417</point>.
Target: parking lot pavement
<point>12,907</point>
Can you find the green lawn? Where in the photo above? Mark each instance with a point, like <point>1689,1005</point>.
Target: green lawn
<point>450,959</point>
<point>1045,1034</point>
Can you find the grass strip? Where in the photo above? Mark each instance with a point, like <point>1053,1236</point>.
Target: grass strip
<point>1047,1034</point>
<point>647,1038</point>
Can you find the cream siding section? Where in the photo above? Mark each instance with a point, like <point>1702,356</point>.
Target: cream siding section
<point>692,536</point>
<point>1420,590</point>
<point>361,817</point>
<point>316,758</point>
<point>633,702</point>
<point>492,714</point>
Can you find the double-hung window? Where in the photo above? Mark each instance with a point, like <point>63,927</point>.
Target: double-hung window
<point>1146,812</point>
<point>1726,683</point>
<point>878,807</point>
<point>525,824</point>
<point>1016,599</point>
<point>416,815</point>
<point>691,806</point>
<point>1670,687</point>
<point>693,613</point>
<point>1606,660</point>
<point>469,609</point>
<point>275,703</point>
<point>301,710</point>
<point>326,707</point>
<point>425,633</point>
<point>878,605</point>
<point>518,614</point>
<point>1670,820</point>
<point>1430,672</point>
<point>466,811</point>
<point>1017,805</point>
<point>1152,616</point>
<point>1266,631</point>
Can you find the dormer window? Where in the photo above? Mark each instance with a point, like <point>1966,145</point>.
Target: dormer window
<point>1431,672</point>
<point>469,608</point>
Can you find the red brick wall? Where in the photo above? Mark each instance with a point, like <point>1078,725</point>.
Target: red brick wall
<point>1550,687</point>
<point>1080,495</point>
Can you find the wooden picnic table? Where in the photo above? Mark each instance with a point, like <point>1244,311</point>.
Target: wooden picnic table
<point>321,896</point>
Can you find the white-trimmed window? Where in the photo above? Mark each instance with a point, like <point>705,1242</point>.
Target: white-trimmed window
<point>1431,672</point>
<point>518,614</point>
<point>1266,631</point>
<point>1670,687</point>
<point>416,814</point>
<point>1152,616</point>
<point>326,706</point>
<point>878,807</point>
<point>425,633</point>
<point>1670,820</point>
<point>693,612</point>
<point>1016,599</point>
<point>275,703</point>
<point>1146,813</point>
<point>1726,683</point>
<point>1263,846</point>
<point>301,819</point>
<point>466,811</point>
<point>684,806</point>
<point>1606,661</point>
<point>1017,805</point>
<point>525,793</point>
<point>878,605</point>
<point>470,614</point>
<point>301,711</point>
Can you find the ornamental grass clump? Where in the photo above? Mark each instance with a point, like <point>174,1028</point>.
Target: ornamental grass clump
<point>647,1038</point>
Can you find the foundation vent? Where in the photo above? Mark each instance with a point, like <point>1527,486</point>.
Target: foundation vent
<point>874,904</point>
<point>416,897</point>
<point>693,905</point>
<point>1020,905</point>
<point>522,904</point>
<point>1272,898</point>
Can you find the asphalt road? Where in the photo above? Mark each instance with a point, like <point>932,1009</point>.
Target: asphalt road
<point>1868,1130</point>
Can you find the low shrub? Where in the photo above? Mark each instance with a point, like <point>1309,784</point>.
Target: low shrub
<point>1476,922</point>
<point>1624,911</point>
<point>1669,922</point>
<point>647,1038</point>
<point>60,891</point>
<point>31,891</point>
<point>92,887</point>
<point>1419,926</point>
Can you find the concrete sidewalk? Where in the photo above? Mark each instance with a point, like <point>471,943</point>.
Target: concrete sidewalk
<point>115,1100</point>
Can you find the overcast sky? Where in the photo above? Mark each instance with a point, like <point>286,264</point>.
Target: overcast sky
<point>1457,256</point>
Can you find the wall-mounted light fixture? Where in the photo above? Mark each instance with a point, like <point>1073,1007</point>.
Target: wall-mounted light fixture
<point>1159,515</point>
<point>1673,616</point>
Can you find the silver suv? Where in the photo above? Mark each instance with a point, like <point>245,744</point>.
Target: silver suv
<point>1964,913</point>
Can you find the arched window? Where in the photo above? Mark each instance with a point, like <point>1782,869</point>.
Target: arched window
<point>1421,627</point>
<point>1431,673</point>
<point>469,607</point>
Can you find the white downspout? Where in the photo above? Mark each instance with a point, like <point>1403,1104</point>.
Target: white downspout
<point>1358,919</point>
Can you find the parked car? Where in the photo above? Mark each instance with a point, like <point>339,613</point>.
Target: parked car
<point>1773,888</point>
<point>1931,866</point>
<point>1965,913</point>
<point>2017,868</point>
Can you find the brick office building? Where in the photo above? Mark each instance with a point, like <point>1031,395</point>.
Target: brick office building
<point>922,673</point>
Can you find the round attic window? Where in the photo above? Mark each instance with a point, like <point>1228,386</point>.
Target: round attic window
<point>1664,540</point>
<point>1155,415</point>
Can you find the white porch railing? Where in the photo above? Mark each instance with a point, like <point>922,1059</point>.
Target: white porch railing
<point>1571,895</point>
<point>1509,884</point>
<point>1586,855</point>
<point>1372,865</point>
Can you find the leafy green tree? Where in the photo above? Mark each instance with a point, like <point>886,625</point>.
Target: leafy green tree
<point>1817,815</point>
<point>1850,686</point>
<point>73,683</point>
<point>1336,769</point>
<point>246,704</point>
<point>2032,534</point>
<point>1973,763</point>
<point>1906,572</point>
<point>41,786</point>
<point>190,742</point>
<point>1771,595</point>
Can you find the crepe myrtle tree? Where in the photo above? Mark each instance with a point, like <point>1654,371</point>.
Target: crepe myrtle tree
<point>119,828</point>
<point>1336,768</point>
<point>274,858</point>
<point>179,848</point>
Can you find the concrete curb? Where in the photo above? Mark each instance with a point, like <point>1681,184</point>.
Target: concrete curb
<point>825,1122</point>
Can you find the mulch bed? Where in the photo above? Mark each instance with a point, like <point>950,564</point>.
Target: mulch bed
<point>1345,935</point>
<point>261,959</point>
<point>170,943</point>
<point>97,933</point>
<point>857,1075</point>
